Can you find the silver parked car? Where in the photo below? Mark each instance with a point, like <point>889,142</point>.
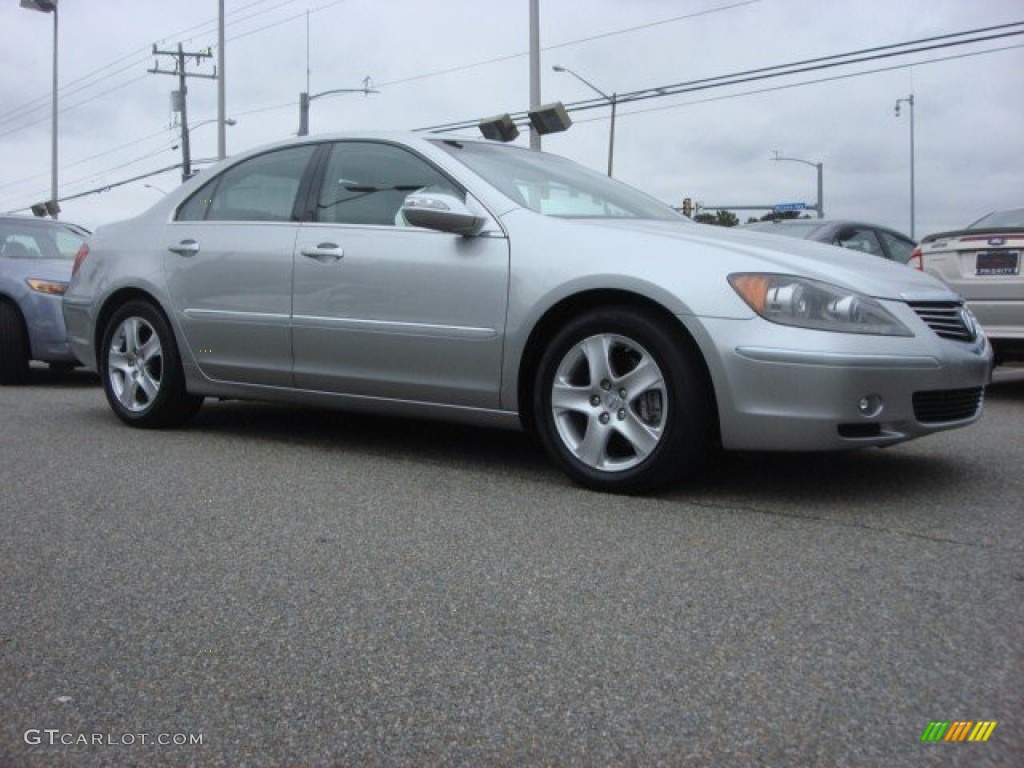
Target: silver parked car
<point>35,267</point>
<point>467,280</point>
<point>982,263</point>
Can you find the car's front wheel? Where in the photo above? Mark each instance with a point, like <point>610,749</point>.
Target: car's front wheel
<point>620,402</point>
<point>141,369</point>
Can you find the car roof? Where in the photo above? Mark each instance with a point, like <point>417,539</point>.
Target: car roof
<point>39,222</point>
<point>821,224</point>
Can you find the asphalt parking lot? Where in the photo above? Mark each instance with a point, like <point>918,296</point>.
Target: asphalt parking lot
<point>299,587</point>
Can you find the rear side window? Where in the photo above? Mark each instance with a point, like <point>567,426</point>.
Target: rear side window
<point>858,239</point>
<point>67,243</point>
<point>262,188</point>
<point>899,248</point>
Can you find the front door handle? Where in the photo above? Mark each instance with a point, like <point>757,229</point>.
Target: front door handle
<point>323,252</point>
<point>185,248</point>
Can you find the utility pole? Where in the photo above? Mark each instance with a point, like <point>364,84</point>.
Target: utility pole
<point>221,88</point>
<point>179,70</point>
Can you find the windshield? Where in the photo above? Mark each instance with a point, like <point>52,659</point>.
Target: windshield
<point>32,239</point>
<point>788,228</point>
<point>555,186</point>
<point>1011,218</point>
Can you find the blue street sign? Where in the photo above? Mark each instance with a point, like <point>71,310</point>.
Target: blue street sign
<point>789,207</point>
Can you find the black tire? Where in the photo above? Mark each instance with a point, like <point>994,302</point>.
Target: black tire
<point>606,437</point>
<point>141,369</point>
<point>13,346</point>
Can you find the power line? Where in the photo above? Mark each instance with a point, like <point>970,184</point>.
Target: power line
<point>836,60</point>
<point>137,57</point>
<point>652,109</point>
<point>123,63</point>
<point>779,70</point>
<point>115,184</point>
<point>802,83</point>
<point>508,57</point>
<point>76,105</point>
<point>82,160</point>
<point>565,44</point>
<point>286,20</point>
<point>140,55</point>
<point>99,174</point>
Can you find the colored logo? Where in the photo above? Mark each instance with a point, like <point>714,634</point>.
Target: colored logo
<point>958,730</point>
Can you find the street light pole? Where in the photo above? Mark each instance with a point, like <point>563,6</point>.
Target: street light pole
<point>910,101</point>
<point>821,181</point>
<point>535,141</point>
<point>220,125</point>
<point>305,99</point>
<point>50,6</point>
<point>612,100</point>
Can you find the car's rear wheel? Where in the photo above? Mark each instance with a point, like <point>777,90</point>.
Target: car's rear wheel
<point>621,403</point>
<point>13,346</point>
<point>141,369</point>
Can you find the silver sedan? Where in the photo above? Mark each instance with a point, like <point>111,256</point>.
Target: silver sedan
<point>461,279</point>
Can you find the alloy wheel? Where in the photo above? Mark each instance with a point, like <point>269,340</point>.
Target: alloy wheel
<point>609,402</point>
<point>135,364</point>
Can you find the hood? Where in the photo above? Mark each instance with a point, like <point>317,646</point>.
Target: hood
<point>740,250</point>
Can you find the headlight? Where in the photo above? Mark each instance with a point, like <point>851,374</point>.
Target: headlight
<point>52,287</point>
<point>804,303</point>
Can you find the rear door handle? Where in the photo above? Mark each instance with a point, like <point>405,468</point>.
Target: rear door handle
<point>185,248</point>
<point>323,252</point>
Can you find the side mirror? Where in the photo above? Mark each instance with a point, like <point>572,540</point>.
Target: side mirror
<point>443,212</point>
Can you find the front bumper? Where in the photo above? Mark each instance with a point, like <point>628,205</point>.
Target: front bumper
<point>48,336</point>
<point>781,388</point>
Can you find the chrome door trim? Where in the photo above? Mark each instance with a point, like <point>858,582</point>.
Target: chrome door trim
<point>394,327</point>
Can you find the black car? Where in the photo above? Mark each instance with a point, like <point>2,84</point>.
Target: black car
<point>856,235</point>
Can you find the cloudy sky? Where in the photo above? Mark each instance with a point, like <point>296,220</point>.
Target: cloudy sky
<point>458,60</point>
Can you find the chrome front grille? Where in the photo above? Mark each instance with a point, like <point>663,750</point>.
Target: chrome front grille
<point>949,319</point>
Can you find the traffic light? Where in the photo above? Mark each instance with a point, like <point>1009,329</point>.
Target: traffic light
<point>687,206</point>
<point>49,208</point>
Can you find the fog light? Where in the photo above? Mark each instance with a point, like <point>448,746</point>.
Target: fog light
<point>870,406</point>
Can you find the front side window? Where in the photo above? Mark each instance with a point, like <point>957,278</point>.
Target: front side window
<point>262,188</point>
<point>366,183</point>
<point>554,186</point>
